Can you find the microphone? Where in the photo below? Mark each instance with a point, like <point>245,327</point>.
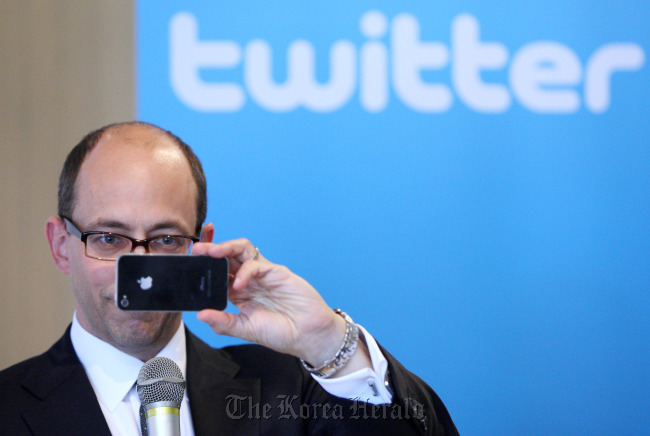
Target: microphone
<point>160,386</point>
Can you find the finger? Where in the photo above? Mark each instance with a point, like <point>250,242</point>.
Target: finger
<point>236,251</point>
<point>252,270</point>
<point>207,232</point>
<point>220,322</point>
<point>225,323</point>
<point>240,250</point>
<point>201,248</point>
<point>247,271</point>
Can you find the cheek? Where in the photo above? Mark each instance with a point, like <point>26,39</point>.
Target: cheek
<point>90,276</point>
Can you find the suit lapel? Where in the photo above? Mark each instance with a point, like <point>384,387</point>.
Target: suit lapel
<point>68,403</point>
<point>213,390</point>
<point>69,406</point>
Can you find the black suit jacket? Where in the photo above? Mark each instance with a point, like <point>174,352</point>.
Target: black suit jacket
<point>246,389</point>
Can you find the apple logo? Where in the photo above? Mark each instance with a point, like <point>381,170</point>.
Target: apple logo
<point>145,283</point>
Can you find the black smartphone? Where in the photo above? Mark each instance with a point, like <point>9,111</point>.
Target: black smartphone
<point>171,283</point>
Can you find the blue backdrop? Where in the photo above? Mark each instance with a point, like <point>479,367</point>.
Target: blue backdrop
<point>468,180</point>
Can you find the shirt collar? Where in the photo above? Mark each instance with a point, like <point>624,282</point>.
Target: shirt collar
<point>112,373</point>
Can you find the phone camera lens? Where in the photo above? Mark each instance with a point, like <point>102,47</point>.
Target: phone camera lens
<point>124,302</point>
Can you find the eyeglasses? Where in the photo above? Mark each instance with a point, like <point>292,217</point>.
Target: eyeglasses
<point>110,246</point>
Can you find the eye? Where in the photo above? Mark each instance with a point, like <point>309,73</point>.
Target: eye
<point>109,239</point>
<point>169,244</point>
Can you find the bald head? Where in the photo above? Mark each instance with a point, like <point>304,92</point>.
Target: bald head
<point>135,134</point>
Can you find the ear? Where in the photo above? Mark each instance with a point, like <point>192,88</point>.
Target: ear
<point>207,232</point>
<point>57,238</point>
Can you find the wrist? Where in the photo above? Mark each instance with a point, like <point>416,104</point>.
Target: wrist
<point>343,353</point>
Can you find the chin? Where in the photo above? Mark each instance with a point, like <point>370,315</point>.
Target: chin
<point>143,328</point>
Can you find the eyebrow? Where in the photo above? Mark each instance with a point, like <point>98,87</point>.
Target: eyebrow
<point>115,225</point>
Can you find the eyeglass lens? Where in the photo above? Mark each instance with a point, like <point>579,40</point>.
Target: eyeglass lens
<point>111,246</point>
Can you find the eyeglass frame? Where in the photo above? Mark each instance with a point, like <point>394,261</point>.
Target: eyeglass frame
<point>73,229</point>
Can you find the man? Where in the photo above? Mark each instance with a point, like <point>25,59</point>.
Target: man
<point>140,185</point>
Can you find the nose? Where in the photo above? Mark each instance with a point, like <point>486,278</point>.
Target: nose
<point>139,246</point>
<point>140,250</point>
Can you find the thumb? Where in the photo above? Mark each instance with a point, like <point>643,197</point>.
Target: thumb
<point>222,323</point>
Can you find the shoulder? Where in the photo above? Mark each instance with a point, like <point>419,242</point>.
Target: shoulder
<point>21,389</point>
<point>38,375</point>
<point>16,373</point>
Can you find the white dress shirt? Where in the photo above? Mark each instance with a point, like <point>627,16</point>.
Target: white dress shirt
<point>113,373</point>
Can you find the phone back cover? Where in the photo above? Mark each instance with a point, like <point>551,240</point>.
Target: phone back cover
<point>171,283</point>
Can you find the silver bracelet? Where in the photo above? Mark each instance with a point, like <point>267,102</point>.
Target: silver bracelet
<point>343,355</point>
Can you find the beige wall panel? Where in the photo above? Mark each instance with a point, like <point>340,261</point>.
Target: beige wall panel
<point>66,68</point>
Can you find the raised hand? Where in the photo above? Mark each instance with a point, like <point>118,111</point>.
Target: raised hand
<point>277,308</point>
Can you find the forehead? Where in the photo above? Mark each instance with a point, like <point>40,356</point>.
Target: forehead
<point>134,147</point>
<point>133,173</point>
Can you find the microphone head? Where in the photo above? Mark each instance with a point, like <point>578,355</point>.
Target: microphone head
<point>160,379</point>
